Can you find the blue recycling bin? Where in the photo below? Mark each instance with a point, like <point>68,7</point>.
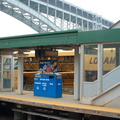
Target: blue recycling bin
<point>48,85</point>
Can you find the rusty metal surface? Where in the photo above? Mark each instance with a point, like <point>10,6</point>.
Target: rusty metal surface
<point>42,115</point>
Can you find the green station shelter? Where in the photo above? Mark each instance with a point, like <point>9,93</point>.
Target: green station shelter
<point>96,72</point>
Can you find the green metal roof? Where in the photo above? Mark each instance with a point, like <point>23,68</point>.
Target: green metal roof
<point>61,38</point>
<point>99,36</point>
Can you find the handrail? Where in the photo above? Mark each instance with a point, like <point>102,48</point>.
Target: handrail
<point>111,71</point>
<point>105,79</point>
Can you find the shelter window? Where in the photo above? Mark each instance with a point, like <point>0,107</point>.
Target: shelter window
<point>111,55</point>
<point>111,65</point>
<point>90,63</point>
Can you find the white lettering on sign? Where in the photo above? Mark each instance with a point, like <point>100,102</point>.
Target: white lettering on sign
<point>37,82</point>
<point>59,83</point>
<point>44,84</point>
<point>37,88</point>
<point>51,83</point>
<point>45,79</point>
<point>44,88</point>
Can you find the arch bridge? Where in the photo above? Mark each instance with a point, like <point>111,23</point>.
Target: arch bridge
<point>53,15</point>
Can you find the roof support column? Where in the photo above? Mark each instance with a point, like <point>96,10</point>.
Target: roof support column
<point>81,70</point>
<point>77,74</point>
<point>100,67</point>
<point>20,75</point>
<point>118,56</point>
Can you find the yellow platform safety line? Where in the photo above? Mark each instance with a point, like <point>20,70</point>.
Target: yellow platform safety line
<point>80,106</point>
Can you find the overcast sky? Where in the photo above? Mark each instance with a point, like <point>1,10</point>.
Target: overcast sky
<point>108,9</point>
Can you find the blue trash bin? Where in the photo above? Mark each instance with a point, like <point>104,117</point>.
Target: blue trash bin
<point>48,85</point>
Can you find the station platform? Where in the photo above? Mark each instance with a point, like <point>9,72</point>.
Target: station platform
<point>66,103</point>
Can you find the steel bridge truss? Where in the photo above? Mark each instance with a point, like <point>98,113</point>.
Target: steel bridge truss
<point>44,17</point>
<point>28,16</point>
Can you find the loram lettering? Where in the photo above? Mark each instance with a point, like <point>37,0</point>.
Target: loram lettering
<point>107,60</point>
